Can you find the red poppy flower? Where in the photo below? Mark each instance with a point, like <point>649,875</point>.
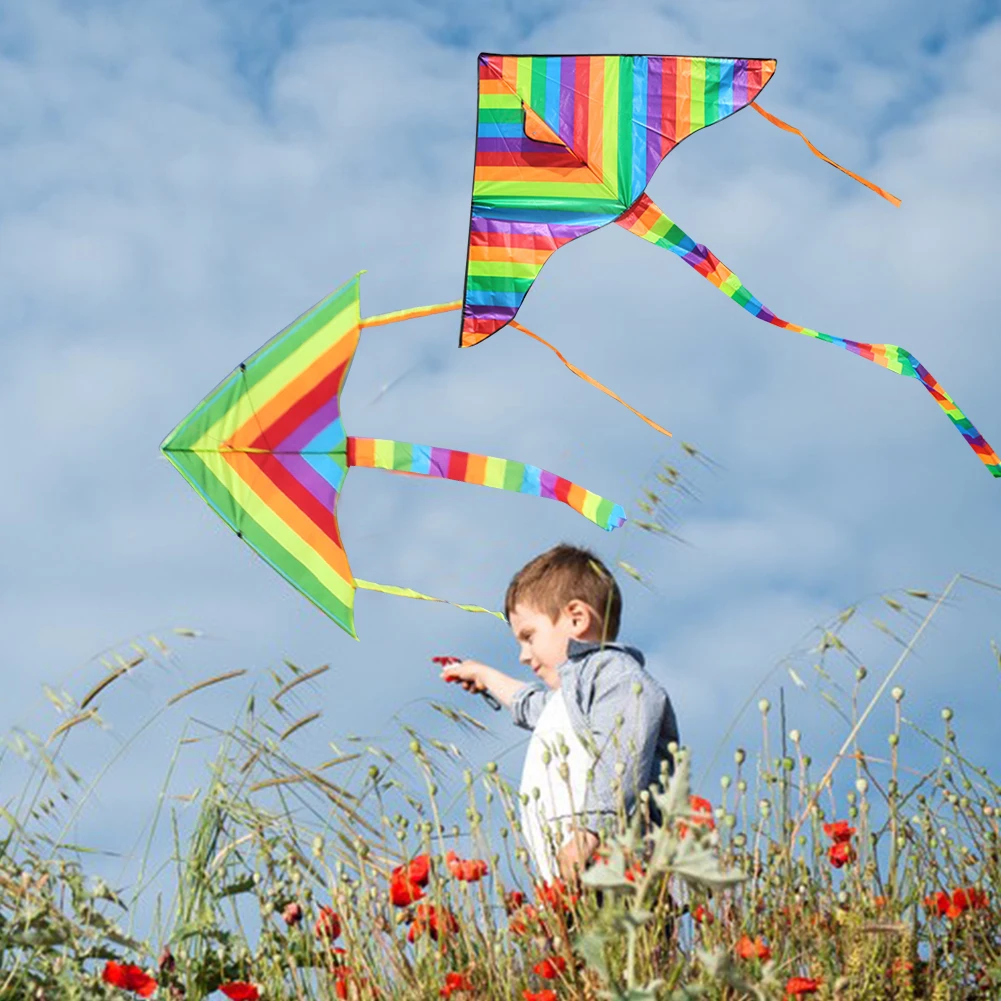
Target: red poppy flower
<point>455,982</point>
<point>292,914</point>
<point>419,869</point>
<point>702,916</point>
<point>841,853</point>
<point>239,991</point>
<point>964,899</point>
<point>341,985</point>
<point>551,967</point>
<point>468,870</point>
<point>555,895</point>
<point>435,921</point>
<point>797,986</point>
<point>839,831</point>
<point>634,872</point>
<point>702,815</point>
<point>521,920</point>
<point>753,949</point>
<point>129,978</point>
<point>544,995</point>
<point>899,967</point>
<point>513,900</point>
<point>328,924</point>
<point>939,902</point>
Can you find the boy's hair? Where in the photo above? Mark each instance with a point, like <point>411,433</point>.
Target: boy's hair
<point>560,575</point>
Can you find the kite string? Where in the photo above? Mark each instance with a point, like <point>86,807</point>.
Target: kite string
<point>406,592</point>
<point>786,127</point>
<point>445,307</point>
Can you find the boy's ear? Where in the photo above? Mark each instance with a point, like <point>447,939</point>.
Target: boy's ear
<point>581,616</point>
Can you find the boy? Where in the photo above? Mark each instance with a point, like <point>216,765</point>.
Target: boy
<point>594,710</point>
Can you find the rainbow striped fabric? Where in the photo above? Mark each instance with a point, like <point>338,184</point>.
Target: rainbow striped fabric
<point>504,474</point>
<point>646,220</point>
<point>565,145</point>
<point>268,452</point>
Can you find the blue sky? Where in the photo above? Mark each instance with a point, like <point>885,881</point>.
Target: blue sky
<point>183,179</point>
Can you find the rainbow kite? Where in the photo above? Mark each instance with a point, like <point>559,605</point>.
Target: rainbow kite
<point>268,452</point>
<point>568,144</point>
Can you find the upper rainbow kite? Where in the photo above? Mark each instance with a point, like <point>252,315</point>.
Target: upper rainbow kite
<point>568,144</point>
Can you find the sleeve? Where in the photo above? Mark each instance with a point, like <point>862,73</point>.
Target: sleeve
<point>624,720</point>
<point>528,703</point>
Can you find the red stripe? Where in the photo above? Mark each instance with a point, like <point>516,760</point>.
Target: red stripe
<point>669,104</point>
<point>631,216</point>
<point>561,489</point>
<point>580,105</point>
<point>562,159</point>
<point>522,241</point>
<point>754,83</point>
<point>319,514</point>
<point>457,462</point>
<point>489,69</point>
<point>302,409</point>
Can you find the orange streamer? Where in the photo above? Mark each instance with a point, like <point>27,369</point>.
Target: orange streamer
<point>594,382</point>
<point>893,199</point>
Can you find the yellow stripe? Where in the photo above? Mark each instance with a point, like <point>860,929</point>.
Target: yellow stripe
<point>271,523</point>
<point>494,475</point>
<point>698,106</point>
<point>406,592</point>
<point>383,453</point>
<point>590,508</point>
<point>610,126</point>
<point>505,269</point>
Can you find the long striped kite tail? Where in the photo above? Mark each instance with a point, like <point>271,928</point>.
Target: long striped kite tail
<point>469,467</point>
<point>648,221</point>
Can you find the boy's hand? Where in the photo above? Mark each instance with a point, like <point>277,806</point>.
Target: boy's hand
<point>574,856</point>
<point>469,673</point>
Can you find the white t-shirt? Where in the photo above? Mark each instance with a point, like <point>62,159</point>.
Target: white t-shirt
<point>558,798</point>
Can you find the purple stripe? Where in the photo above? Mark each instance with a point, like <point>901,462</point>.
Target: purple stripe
<point>492,144</point>
<point>305,474</point>
<point>559,231</point>
<point>311,427</point>
<point>503,313</point>
<point>654,113</point>
<point>568,77</point>
<point>439,462</point>
<point>739,83</point>
<point>548,485</point>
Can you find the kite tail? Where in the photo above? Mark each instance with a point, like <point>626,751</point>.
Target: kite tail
<point>786,127</point>
<point>468,467</point>
<point>646,220</point>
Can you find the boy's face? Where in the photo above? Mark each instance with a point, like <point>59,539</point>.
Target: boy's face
<point>543,642</point>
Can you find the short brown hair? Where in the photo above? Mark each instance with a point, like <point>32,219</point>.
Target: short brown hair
<point>560,575</point>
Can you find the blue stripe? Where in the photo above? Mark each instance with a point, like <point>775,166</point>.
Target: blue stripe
<point>641,135</point>
<point>421,461</point>
<point>570,216</point>
<point>484,297</point>
<point>553,93</point>
<point>726,88</point>
<point>500,130</point>
<point>532,481</point>
<point>330,470</point>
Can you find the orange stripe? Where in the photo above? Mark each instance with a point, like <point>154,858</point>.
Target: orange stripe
<point>523,255</point>
<point>892,199</point>
<point>576,496</point>
<point>575,175</point>
<point>509,73</point>
<point>493,86</point>
<point>683,101</point>
<point>594,382</point>
<point>476,468</point>
<point>273,409</point>
<point>307,530</point>
<point>364,452</point>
